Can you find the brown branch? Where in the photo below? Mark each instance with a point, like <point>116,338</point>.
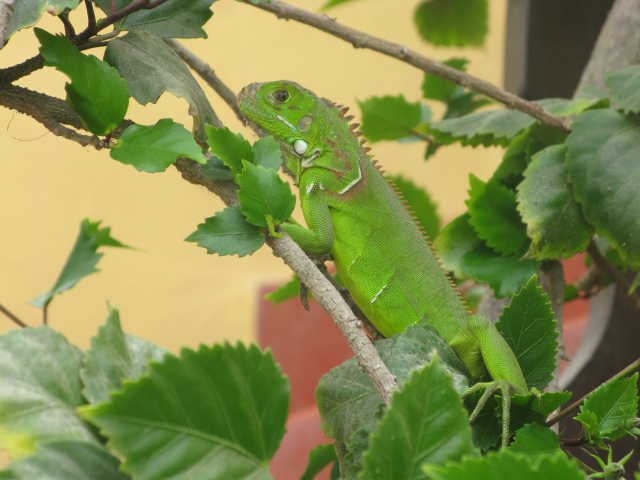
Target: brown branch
<point>552,281</point>
<point>16,72</point>
<point>12,317</point>
<point>556,418</point>
<point>363,40</point>
<point>114,17</point>
<point>605,265</point>
<point>69,31</point>
<point>49,111</point>
<point>208,75</point>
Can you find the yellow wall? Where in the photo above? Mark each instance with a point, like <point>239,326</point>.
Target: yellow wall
<point>170,291</point>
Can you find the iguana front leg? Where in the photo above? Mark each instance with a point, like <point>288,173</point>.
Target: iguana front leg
<point>318,238</point>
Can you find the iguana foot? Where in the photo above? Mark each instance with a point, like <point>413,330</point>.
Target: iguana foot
<point>506,388</point>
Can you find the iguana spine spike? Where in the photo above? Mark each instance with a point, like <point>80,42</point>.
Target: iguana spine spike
<point>353,126</point>
<point>343,110</point>
<point>348,118</point>
<point>357,134</point>
<point>366,149</point>
<point>363,141</point>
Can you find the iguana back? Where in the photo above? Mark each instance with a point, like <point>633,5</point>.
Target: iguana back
<point>382,257</point>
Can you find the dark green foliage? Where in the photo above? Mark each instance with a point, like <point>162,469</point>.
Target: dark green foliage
<point>81,261</point>
<point>554,219</point>
<point>438,88</point>
<point>536,442</point>
<point>151,68</point>
<point>228,233</point>
<point>624,88</point>
<point>528,326</point>
<point>453,22</point>
<point>231,148</point>
<point>220,408</point>
<point>610,412</point>
<point>264,196</point>
<point>602,160</point>
<point>96,93</point>
<point>426,423</point>
<point>319,458</point>
<point>182,19</point>
<point>154,148</point>
<point>389,118</point>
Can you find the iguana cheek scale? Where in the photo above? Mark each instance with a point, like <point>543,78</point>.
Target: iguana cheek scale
<point>354,214</point>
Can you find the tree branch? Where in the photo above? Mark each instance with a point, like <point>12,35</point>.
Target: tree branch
<point>556,418</point>
<point>12,317</point>
<point>208,75</point>
<point>363,40</point>
<point>48,111</point>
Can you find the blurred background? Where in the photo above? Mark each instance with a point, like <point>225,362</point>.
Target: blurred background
<point>169,291</point>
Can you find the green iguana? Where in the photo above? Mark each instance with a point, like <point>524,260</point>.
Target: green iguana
<point>381,255</point>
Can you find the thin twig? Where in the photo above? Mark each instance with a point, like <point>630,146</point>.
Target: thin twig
<point>12,317</point>
<point>69,31</point>
<point>589,283</point>
<point>91,15</point>
<point>556,418</point>
<point>16,72</point>
<point>605,265</point>
<point>208,75</point>
<point>363,40</point>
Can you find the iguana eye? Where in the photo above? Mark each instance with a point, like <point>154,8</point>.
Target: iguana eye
<point>280,96</point>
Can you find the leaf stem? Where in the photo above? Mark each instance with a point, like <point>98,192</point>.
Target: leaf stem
<point>632,367</point>
<point>12,317</point>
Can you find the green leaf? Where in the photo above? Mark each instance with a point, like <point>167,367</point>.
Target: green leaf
<point>535,441</point>
<point>319,458</point>
<point>505,275</point>
<point>151,67</point>
<point>153,148</point>
<point>182,19</point>
<point>214,168</point>
<point>229,147</point>
<point>347,399</point>
<point>624,88</point>
<point>526,409</point>
<point>426,422</point>
<point>228,233</point>
<point>266,152</point>
<point>508,465</point>
<point>219,409</point>
<point>438,88</point>
<point>607,411</point>
<point>358,445</point>
<point>456,239</point>
<point>389,118</point>
<point>115,356</point>
<point>492,127</point>
<point>289,290</point>
<point>264,194</point>
<point>554,219</point>
<point>333,3</point>
<point>66,460</point>
<point>26,13</point>
<point>39,390</point>
<point>96,93</point>
<point>465,102</point>
<point>603,159</point>
<point>81,261</point>
<point>494,216</point>
<point>420,203</point>
<point>528,326</point>
<point>458,23</point>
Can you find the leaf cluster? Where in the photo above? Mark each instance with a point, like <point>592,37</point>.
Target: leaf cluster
<point>218,409</point>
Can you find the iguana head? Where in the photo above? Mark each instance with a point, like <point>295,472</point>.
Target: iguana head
<point>293,115</point>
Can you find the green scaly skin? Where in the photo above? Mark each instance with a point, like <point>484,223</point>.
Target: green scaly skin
<point>353,214</point>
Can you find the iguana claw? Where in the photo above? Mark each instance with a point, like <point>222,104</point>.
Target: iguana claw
<point>506,388</point>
